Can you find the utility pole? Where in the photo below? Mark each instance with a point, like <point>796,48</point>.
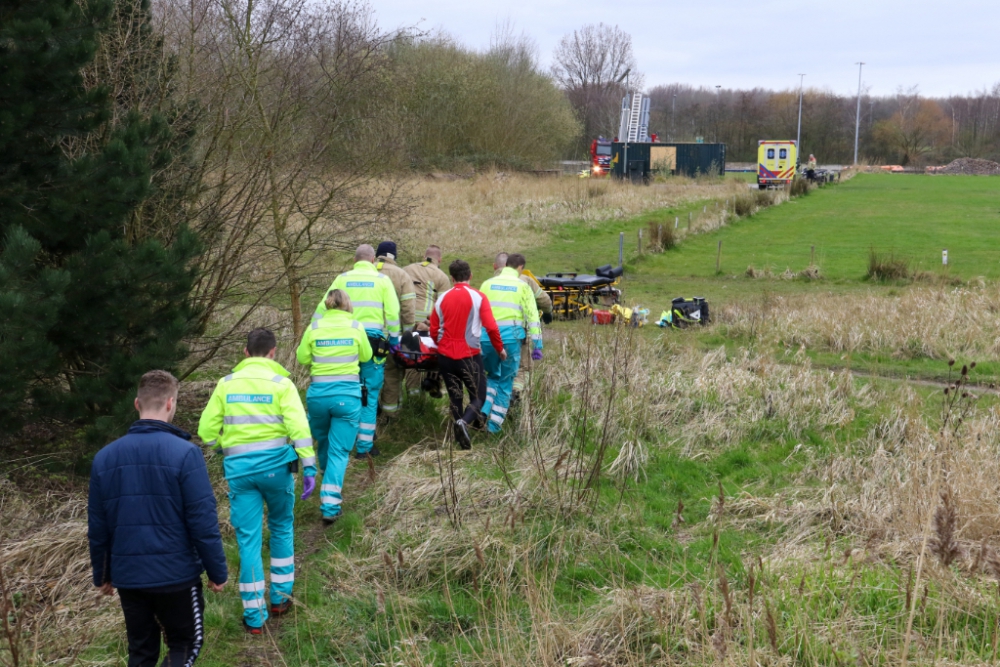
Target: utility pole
<point>798,135</point>
<point>857,118</point>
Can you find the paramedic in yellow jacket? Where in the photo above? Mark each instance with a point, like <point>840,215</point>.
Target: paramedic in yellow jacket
<point>544,304</point>
<point>514,309</point>
<point>385,262</point>
<point>376,308</point>
<point>253,414</point>
<point>429,282</point>
<point>334,347</point>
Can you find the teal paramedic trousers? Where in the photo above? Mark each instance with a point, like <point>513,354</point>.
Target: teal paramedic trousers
<point>247,497</point>
<point>499,382</point>
<point>334,410</point>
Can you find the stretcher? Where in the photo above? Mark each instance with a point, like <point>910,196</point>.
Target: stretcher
<point>574,295</point>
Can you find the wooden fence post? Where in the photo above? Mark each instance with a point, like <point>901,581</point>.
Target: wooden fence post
<point>640,240</point>
<point>718,258</point>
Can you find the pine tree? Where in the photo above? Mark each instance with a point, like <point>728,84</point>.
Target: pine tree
<point>86,307</point>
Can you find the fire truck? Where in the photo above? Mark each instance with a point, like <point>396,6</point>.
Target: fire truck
<point>600,157</point>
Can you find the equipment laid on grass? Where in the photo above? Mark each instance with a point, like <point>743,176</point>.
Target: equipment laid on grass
<point>416,351</point>
<point>684,312</point>
<point>602,317</point>
<point>633,317</point>
<point>776,162</point>
<point>574,295</point>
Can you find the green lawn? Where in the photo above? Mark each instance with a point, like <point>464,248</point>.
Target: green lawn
<point>913,216</point>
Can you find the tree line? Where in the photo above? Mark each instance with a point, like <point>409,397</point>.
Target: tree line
<point>595,65</point>
<point>905,128</point>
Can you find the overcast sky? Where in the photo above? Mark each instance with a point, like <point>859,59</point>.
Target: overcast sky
<point>943,46</point>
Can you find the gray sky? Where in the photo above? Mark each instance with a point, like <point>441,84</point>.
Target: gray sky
<point>943,46</point>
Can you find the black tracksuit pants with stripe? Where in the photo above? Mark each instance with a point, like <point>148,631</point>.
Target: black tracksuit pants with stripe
<point>178,615</point>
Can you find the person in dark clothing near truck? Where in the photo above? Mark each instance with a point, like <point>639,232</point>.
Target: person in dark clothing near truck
<point>153,529</point>
<point>457,323</point>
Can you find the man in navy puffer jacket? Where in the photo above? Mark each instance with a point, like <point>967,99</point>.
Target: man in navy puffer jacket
<point>154,529</point>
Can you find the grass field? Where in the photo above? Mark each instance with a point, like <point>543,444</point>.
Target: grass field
<point>711,496</point>
<point>914,217</point>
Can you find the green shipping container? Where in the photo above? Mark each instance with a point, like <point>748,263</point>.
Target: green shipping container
<point>640,161</point>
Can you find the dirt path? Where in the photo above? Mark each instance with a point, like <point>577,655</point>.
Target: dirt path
<point>312,538</point>
<point>896,377</point>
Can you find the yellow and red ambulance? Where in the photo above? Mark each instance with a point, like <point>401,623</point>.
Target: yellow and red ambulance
<point>776,160</point>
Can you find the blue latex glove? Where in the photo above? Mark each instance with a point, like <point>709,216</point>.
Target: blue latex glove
<point>308,486</point>
<point>536,355</point>
<point>394,349</point>
<point>394,341</point>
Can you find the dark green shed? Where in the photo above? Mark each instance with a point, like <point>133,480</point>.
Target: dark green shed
<point>639,161</point>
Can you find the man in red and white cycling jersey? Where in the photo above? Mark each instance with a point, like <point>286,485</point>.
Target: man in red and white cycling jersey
<point>457,324</point>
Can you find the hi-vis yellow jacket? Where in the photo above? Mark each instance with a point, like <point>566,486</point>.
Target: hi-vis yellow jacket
<point>513,304</point>
<point>333,347</point>
<point>542,300</point>
<point>257,409</point>
<point>372,296</point>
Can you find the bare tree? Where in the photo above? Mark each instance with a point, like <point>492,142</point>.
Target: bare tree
<point>589,63</point>
<point>288,151</point>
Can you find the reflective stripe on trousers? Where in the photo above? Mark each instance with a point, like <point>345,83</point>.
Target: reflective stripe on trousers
<point>373,375</point>
<point>248,496</point>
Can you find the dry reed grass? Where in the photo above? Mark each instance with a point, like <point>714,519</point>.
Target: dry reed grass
<point>510,545</point>
<point>922,322</point>
<point>46,572</point>
<point>486,213</point>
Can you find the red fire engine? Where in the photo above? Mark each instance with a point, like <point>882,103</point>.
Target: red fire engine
<point>600,157</point>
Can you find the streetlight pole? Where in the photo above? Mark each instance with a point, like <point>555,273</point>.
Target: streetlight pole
<point>718,110</point>
<point>857,118</point>
<point>798,135</point>
<point>673,119</point>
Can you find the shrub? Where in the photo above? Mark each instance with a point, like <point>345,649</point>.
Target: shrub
<point>662,235</point>
<point>811,273</point>
<point>800,187</point>
<point>887,266</point>
<point>744,205</point>
<point>763,198</point>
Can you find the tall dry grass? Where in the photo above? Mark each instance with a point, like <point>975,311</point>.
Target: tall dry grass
<point>922,322</point>
<point>51,609</point>
<point>488,212</point>
<point>516,537</point>
<point>493,526</point>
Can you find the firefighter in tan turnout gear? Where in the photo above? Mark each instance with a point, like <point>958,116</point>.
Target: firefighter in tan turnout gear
<point>544,304</point>
<point>385,262</point>
<point>429,282</point>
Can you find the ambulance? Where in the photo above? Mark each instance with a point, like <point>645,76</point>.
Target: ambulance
<point>776,162</point>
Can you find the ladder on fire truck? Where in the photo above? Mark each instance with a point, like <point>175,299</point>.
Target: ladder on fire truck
<point>634,125</point>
